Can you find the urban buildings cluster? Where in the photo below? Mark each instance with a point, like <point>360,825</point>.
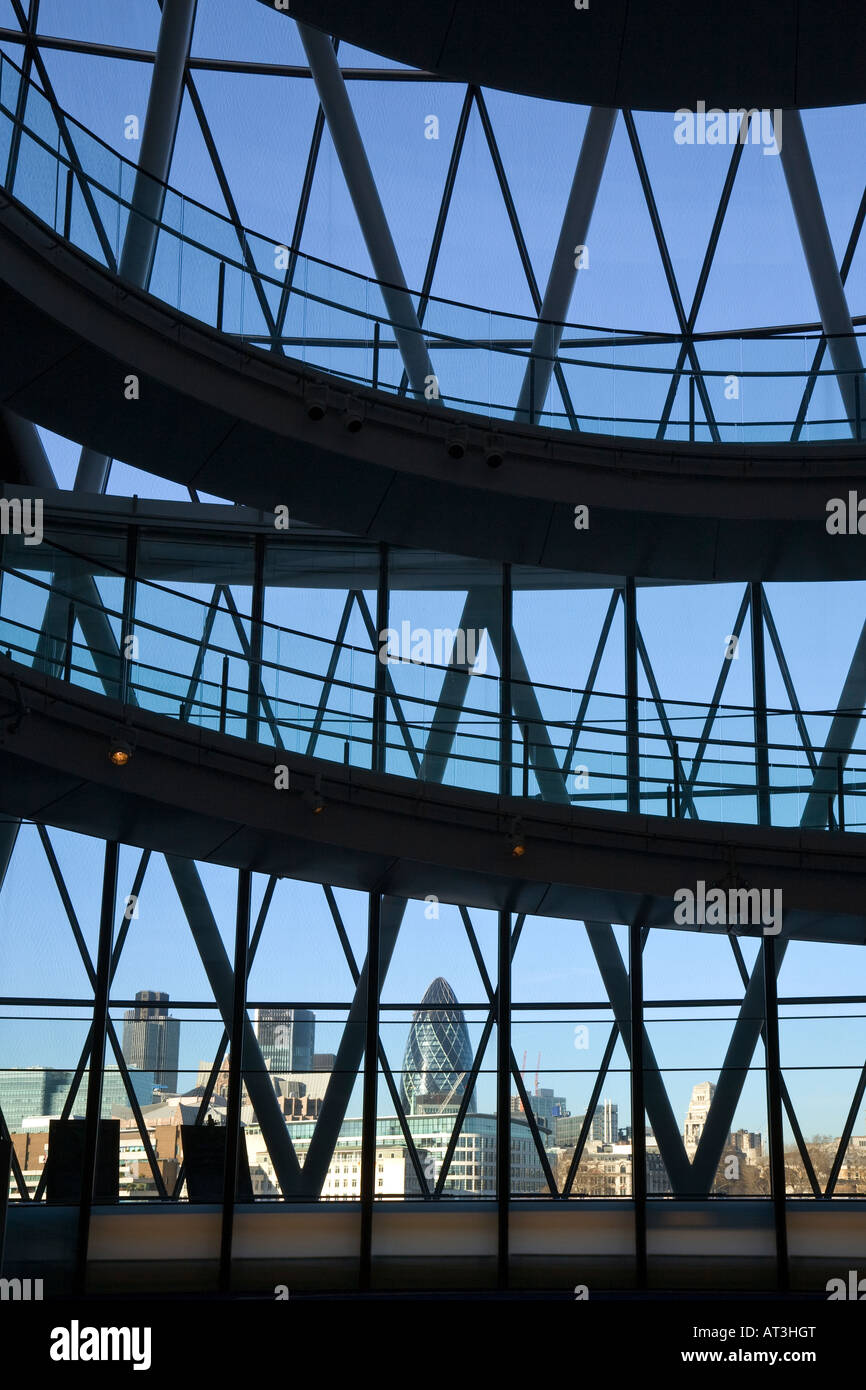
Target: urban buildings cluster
<point>437,1095</point>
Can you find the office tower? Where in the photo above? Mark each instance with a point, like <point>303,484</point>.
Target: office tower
<point>287,1038</point>
<point>605,1122</point>
<point>31,1096</point>
<point>438,1054</point>
<point>547,1108</point>
<point>151,1039</point>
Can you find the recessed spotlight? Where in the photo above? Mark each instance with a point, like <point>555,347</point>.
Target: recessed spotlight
<point>354,417</point>
<point>314,798</point>
<point>495,451</point>
<point>517,839</point>
<point>119,752</point>
<point>316,400</point>
<point>455,442</point>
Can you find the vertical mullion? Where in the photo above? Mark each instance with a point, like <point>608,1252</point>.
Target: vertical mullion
<point>503,993</point>
<point>503,1097</point>
<point>128,620</point>
<point>255,685</point>
<point>638,1109</point>
<point>772,1058</point>
<point>759,701</point>
<point>235,1079</point>
<point>97,1056</point>
<point>370,1092</point>
<point>381,676</point>
<point>506,639</point>
<point>631,689</point>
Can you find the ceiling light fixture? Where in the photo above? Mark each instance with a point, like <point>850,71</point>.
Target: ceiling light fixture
<point>517,839</point>
<point>354,418</point>
<point>314,798</point>
<point>316,400</point>
<point>494,452</point>
<point>455,442</point>
<point>119,752</point>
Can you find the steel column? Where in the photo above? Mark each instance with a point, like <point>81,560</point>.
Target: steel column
<point>349,1054</point>
<point>255,685</point>
<point>208,941</point>
<point>20,442</point>
<point>97,1057</point>
<point>5,1172</point>
<point>506,640</point>
<point>638,1108</point>
<point>848,1130</point>
<point>378,751</point>
<point>148,193</point>
<point>236,1078</point>
<point>735,1069</point>
<point>479,611</point>
<point>371,1089</point>
<point>365,196</point>
<point>128,621</point>
<point>657,1103</point>
<point>840,736</point>
<point>759,702</point>
<point>821,259</point>
<point>503,1096</point>
<point>631,697</point>
<point>563,269</point>
<point>157,141</point>
<point>774,1109</point>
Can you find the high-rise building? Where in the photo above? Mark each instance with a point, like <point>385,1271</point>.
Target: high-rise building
<point>32,1091</point>
<point>151,1039</point>
<point>605,1122</point>
<point>546,1107</point>
<point>696,1116</point>
<point>31,1096</point>
<point>287,1038</point>
<point>438,1056</point>
<point>604,1127</point>
<point>472,1171</point>
<point>748,1143</point>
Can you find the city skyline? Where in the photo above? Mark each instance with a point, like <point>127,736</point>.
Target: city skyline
<point>808,1046</point>
<point>436,1059</point>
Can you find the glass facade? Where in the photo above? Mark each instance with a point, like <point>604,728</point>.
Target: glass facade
<point>438,1054</point>
<point>556,1061</point>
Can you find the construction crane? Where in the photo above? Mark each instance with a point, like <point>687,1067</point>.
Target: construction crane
<point>537,1070</point>
<point>523,1072</point>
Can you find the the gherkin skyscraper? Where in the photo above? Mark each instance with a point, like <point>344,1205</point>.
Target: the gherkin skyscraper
<point>438,1056</point>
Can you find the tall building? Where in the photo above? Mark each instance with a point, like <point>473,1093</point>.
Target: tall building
<point>32,1091</point>
<point>696,1116</point>
<point>546,1107</point>
<point>287,1038</point>
<point>472,1171</point>
<point>151,1040</point>
<point>748,1143</point>
<point>603,1129</point>
<point>31,1096</point>
<point>438,1055</point>
<point>605,1122</point>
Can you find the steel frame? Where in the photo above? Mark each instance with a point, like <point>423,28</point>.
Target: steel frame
<point>827,278</point>
<point>362,1026</point>
<point>361,1037</point>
